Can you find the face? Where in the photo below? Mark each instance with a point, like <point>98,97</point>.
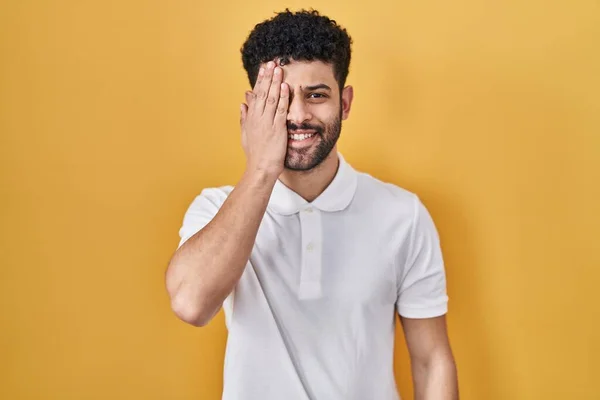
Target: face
<point>315,113</point>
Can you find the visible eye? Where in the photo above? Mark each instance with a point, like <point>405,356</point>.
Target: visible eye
<point>317,96</point>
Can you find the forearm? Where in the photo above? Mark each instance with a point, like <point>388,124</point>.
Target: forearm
<point>205,269</point>
<point>435,379</point>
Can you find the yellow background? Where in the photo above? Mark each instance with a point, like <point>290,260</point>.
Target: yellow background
<point>115,114</point>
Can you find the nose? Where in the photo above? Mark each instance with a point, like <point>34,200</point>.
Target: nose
<point>298,111</point>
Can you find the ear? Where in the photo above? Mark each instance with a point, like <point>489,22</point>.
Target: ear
<point>347,96</point>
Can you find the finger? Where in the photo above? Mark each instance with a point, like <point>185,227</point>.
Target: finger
<point>243,113</point>
<point>282,105</point>
<point>249,95</point>
<point>259,78</point>
<point>262,91</point>
<point>274,90</point>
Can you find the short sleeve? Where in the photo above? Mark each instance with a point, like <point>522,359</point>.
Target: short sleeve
<point>201,211</point>
<point>422,285</point>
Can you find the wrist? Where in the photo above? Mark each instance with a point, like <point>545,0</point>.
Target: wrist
<point>267,171</point>
<point>261,176</point>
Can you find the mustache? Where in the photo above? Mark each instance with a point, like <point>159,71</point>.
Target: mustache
<point>304,126</point>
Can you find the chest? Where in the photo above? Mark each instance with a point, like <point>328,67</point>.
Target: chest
<point>327,257</point>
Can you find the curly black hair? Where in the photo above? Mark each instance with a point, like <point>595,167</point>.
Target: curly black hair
<point>304,35</point>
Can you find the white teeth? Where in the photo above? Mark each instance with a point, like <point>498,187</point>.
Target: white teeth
<point>300,136</point>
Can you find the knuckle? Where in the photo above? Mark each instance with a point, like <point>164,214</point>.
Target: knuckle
<point>281,109</point>
<point>261,95</point>
<point>271,100</point>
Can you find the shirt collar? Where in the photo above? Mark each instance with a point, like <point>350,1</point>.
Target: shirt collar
<point>336,197</point>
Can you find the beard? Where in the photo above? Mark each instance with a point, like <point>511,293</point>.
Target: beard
<point>307,158</point>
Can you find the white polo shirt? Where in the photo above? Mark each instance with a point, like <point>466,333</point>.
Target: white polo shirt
<point>312,317</point>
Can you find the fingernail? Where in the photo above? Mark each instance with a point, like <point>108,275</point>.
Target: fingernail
<point>261,71</point>
<point>270,65</point>
<point>277,71</point>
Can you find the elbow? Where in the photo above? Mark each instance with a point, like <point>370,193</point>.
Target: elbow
<point>191,306</point>
<point>182,303</point>
<point>189,313</point>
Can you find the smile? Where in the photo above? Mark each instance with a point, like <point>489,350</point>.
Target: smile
<point>300,136</point>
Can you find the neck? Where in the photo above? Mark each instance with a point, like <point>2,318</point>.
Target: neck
<point>310,184</point>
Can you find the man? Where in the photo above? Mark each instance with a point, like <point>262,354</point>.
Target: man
<point>309,258</point>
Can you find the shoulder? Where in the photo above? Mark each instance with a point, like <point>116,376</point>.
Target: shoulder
<point>213,196</point>
<point>202,210</point>
<point>384,194</point>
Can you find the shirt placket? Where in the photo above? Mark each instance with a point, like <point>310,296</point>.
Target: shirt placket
<point>310,275</point>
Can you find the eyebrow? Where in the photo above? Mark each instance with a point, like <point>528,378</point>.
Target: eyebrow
<point>319,86</point>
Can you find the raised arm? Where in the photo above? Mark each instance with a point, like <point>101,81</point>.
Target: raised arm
<point>206,268</point>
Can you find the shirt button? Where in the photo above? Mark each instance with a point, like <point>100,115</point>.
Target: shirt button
<point>310,247</point>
